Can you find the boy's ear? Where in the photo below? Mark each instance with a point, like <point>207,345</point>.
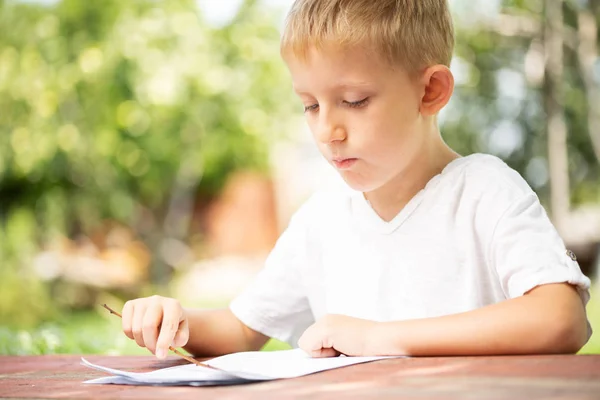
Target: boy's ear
<point>438,83</point>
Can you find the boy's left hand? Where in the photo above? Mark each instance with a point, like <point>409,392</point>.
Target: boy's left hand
<point>335,334</point>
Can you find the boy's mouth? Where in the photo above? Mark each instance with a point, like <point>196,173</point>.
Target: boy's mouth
<point>344,163</point>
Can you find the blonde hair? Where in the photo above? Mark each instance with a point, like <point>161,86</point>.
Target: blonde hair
<point>413,33</point>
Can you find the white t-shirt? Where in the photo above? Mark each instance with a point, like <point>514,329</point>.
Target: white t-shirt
<point>475,235</point>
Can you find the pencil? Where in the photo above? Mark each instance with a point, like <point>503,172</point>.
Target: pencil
<point>174,350</point>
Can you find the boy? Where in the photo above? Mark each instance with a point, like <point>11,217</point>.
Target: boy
<point>429,253</point>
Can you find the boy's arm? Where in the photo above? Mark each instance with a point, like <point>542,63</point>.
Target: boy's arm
<point>217,332</point>
<point>548,319</point>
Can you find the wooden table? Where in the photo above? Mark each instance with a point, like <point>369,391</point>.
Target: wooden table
<point>529,377</point>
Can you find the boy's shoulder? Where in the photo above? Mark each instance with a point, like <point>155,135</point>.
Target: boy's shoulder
<point>487,188</point>
<point>485,173</point>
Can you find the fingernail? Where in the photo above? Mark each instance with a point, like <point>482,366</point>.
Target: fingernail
<point>161,353</point>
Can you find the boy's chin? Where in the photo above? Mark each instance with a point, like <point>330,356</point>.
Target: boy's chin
<point>360,185</point>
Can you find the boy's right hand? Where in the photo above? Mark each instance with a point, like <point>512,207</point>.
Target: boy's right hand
<point>156,323</point>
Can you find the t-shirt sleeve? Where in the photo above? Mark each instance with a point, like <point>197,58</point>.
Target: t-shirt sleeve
<point>275,303</point>
<point>527,251</point>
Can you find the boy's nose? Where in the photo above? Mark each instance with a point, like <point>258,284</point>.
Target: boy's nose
<point>328,133</point>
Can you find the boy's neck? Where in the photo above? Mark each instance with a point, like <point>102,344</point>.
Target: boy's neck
<point>388,200</point>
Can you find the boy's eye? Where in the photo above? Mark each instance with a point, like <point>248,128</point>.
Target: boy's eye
<point>351,104</point>
<point>312,107</point>
<point>357,104</point>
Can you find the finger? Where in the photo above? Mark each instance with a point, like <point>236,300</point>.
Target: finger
<point>315,347</point>
<point>183,334</point>
<point>138,323</point>
<point>309,341</point>
<point>126,320</point>
<point>150,323</point>
<point>317,343</point>
<point>325,352</point>
<point>170,325</point>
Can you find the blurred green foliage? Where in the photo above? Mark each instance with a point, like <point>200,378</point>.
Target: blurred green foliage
<point>498,104</point>
<point>111,110</point>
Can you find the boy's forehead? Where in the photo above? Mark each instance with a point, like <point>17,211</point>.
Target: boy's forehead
<point>335,57</point>
<point>335,67</point>
<point>339,69</point>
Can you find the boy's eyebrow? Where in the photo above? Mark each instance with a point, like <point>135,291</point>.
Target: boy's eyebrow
<point>349,85</point>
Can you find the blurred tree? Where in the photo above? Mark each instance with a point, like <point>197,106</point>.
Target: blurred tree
<point>528,92</point>
<point>127,111</point>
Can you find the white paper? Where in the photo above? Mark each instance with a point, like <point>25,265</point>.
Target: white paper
<point>282,364</point>
<point>234,369</point>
